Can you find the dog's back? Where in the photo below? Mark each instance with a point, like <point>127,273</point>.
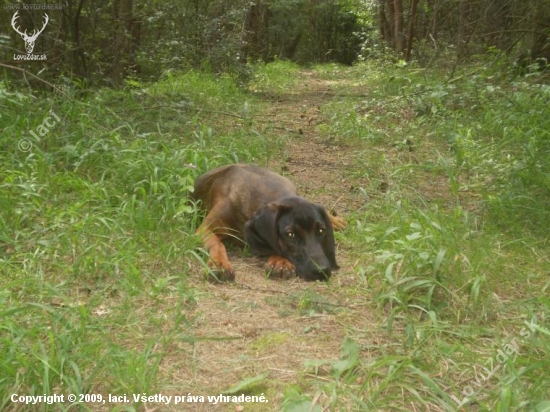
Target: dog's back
<point>246,187</point>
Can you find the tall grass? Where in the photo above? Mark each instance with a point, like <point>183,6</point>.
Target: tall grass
<point>452,243</point>
<point>97,232</point>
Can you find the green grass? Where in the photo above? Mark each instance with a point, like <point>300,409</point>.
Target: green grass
<point>449,252</point>
<point>274,78</point>
<point>97,233</point>
<point>455,232</point>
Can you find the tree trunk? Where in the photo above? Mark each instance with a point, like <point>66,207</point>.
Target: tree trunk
<point>463,29</point>
<point>398,34</point>
<point>540,44</point>
<point>78,54</point>
<point>410,31</point>
<point>385,12</point>
<point>256,27</point>
<point>434,26</point>
<point>124,45</point>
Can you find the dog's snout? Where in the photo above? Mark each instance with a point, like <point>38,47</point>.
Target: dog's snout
<point>323,273</point>
<point>319,271</point>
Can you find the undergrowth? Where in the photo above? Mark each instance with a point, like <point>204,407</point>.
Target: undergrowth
<point>456,222</point>
<point>96,229</point>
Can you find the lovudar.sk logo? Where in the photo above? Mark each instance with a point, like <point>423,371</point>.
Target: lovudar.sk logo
<point>29,39</point>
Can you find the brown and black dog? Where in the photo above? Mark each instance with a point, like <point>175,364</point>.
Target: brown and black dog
<point>261,208</point>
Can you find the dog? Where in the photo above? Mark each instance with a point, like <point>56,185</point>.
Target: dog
<point>261,208</point>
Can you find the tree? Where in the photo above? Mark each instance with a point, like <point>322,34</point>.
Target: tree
<point>126,41</point>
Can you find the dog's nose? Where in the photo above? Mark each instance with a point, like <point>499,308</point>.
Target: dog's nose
<point>322,273</point>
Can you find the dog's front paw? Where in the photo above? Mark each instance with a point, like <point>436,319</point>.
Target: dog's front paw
<point>220,272</point>
<point>279,267</point>
<point>337,222</point>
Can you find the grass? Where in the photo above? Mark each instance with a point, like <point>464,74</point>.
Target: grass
<point>445,260</point>
<point>97,231</point>
<point>275,78</point>
<point>458,248</point>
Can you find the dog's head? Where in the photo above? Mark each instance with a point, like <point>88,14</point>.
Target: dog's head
<point>299,231</point>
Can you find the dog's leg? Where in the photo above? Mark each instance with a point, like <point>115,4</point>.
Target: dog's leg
<point>211,239</point>
<point>337,222</point>
<point>277,266</point>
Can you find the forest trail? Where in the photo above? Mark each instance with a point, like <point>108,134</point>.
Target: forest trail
<point>319,168</point>
<point>257,325</point>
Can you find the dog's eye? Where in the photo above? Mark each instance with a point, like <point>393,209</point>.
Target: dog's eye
<point>290,235</point>
<point>321,231</point>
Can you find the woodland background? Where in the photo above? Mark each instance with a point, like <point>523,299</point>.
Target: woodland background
<point>103,42</point>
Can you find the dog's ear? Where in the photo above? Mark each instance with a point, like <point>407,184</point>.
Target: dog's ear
<point>328,243</point>
<point>261,232</point>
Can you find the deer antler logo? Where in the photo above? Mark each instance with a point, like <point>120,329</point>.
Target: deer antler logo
<point>29,40</point>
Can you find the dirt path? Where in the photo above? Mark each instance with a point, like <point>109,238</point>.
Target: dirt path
<point>257,325</point>
<point>317,168</point>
